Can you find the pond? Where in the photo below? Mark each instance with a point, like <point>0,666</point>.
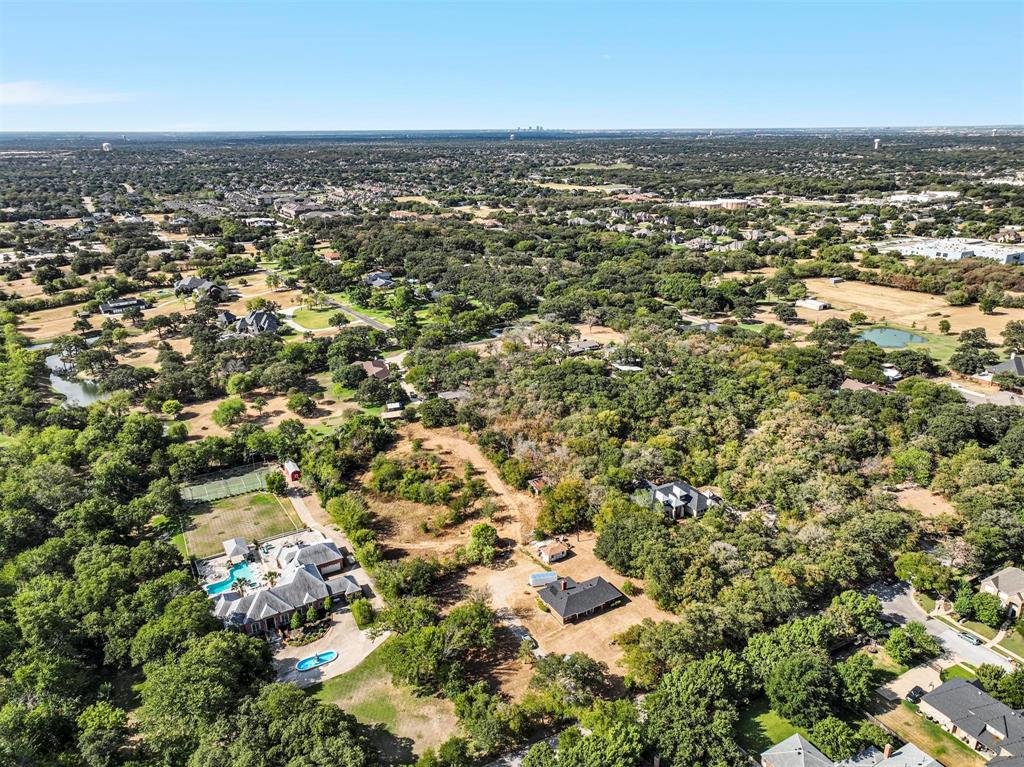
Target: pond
<point>74,390</point>
<point>891,338</point>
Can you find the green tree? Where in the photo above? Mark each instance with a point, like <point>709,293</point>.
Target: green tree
<point>565,507</point>
<point>836,739</point>
<point>857,675</point>
<point>801,687</point>
<point>229,412</point>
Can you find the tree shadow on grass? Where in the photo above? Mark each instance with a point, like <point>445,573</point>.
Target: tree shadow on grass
<point>394,749</point>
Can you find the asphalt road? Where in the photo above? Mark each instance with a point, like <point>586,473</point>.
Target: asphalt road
<point>899,605</point>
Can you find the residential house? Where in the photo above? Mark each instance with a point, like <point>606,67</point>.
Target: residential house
<point>681,499</point>
<point>300,587</point>
<point>797,751</point>
<point>571,601</point>
<point>583,346</point>
<point>377,368</point>
<point>254,323</point>
<point>1008,585</point>
<point>226,319</point>
<point>988,726</point>
<point>851,384</point>
<point>379,279</point>
<point>199,286</point>
<point>325,556</point>
<point>1013,366</point>
<point>122,305</point>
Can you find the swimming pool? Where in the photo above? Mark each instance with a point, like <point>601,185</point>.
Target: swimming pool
<point>241,570</point>
<point>891,338</point>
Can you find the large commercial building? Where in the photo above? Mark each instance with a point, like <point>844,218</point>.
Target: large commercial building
<point>954,249</point>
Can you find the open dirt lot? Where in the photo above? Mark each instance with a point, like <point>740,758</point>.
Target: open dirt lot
<point>929,504</point>
<point>449,443</point>
<point>902,307</point>
<point>199,417</point>
<point>510,591</point>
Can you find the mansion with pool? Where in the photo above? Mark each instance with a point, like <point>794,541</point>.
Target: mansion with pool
<point>266,584</point>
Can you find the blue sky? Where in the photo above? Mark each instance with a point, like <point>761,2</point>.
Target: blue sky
<point>433,65</point>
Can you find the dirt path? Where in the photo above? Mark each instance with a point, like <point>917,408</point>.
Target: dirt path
<point>522,506</point>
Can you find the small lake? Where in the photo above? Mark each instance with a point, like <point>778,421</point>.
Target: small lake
<point>891,338</point>
<point>74,390</point>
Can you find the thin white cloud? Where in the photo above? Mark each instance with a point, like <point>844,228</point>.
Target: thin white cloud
<point>38,93</point>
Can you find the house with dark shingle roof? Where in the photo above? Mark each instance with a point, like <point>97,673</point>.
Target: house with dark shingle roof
<point>310,574</point>
<point>192,285</point>
<point>1013,366</point>
<point>257,322</point>
<point>571,601</point>
<point>985,724</point>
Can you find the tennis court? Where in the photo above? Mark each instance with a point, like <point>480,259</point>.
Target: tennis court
<point>226,485</point>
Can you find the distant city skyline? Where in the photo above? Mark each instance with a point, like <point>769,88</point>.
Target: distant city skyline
<point>565,65</point>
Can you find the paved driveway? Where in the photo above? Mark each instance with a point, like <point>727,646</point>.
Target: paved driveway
<point>351,644</point>
<point>899,605</point>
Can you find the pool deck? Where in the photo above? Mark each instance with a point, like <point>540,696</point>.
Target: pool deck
<point>351,644</point>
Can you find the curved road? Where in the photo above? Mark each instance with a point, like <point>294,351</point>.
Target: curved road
<point>899,605</point>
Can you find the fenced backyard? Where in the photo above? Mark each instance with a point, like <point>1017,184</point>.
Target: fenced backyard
<point>252,516</point>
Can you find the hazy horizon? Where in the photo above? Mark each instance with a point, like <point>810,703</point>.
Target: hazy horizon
<point>352,66</point>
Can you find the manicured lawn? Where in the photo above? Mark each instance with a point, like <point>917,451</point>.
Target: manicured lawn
<point>1013,642</point>
<point>957,672</point>
<point>368,693</point>
<point>927,603</point>
<point>981,629</point>
<point>760,728</point>
<point>887,668</point>
<point>313,319</point>
<point>929,737</point>
<point>378,314</point>
<point>250,516</point>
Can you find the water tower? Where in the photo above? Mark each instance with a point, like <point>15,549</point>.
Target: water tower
<point>106,147</point>
<point>878,144</point>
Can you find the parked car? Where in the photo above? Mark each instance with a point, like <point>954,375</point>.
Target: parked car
<point>967,636</point>
<point>915,694</point>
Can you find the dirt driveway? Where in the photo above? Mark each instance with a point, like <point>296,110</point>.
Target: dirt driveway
<point>522,506</point>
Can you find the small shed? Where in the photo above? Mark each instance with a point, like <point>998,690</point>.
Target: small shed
<point>236,548</point>
<point>291,471</point>
<point>542,579</point>
<point>553,552</point>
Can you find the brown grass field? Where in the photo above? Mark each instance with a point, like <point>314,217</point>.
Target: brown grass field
<point>250,516</point>
<point>903,307</point>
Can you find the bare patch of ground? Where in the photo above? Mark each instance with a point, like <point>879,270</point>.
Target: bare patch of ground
<point>199,417</point>
<point>449,443</point>
<point>902,307</point>
<point>923,500</point>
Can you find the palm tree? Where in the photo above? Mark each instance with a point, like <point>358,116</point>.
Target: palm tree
<point>272,576</point>
<point>241,584</point>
